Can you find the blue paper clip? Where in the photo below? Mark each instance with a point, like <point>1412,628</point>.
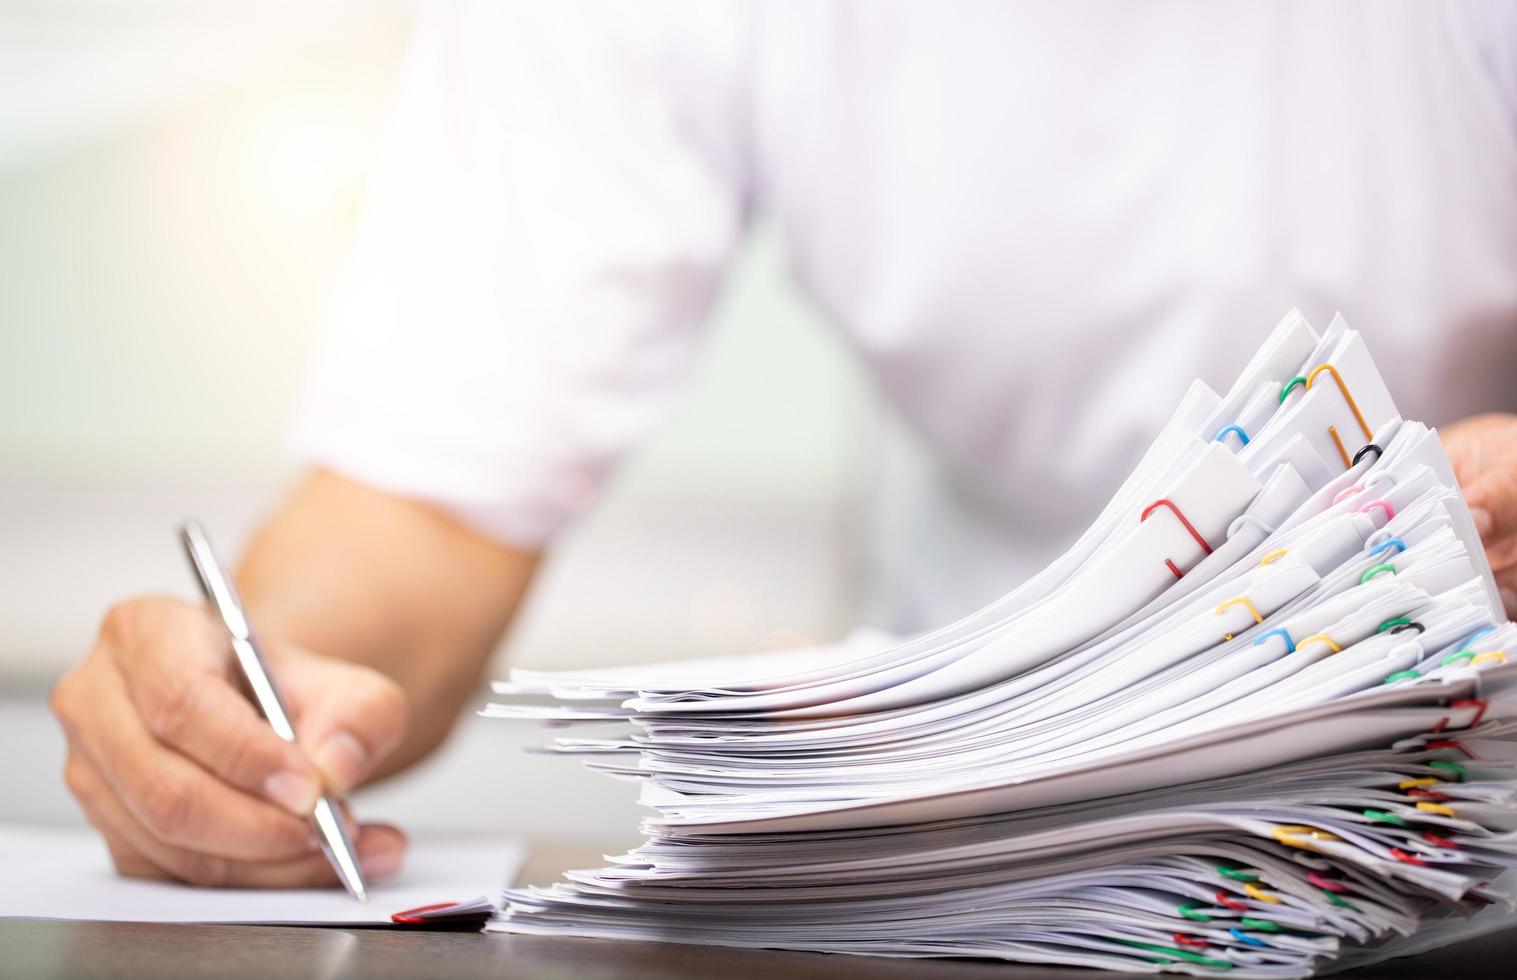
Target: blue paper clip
<point>1482,631</point>
<point>1244,937</point>
<point>1238,429</point>
<point>1290,646</point>
<point>1399,545</point>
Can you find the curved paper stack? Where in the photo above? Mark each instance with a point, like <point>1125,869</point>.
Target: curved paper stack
<point>1258,720</point>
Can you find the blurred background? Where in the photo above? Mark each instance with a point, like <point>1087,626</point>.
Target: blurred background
<point>179,181</point>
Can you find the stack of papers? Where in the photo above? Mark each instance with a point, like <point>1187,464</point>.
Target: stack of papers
<point>1257,720</point>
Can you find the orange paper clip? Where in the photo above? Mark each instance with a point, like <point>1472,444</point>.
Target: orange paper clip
<point>1353,407</point>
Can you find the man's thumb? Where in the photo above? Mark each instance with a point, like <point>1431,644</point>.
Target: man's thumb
<point>350,717</point>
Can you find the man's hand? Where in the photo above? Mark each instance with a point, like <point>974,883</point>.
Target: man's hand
<point>1483,450</point>
<point>182,774</point>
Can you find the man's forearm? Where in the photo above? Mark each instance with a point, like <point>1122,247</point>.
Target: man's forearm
<point>349,572</point>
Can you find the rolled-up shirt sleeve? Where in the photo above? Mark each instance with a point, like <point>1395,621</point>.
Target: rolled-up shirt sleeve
<point>559,191</point>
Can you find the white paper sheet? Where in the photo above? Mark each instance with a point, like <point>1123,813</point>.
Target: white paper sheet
<point>52,873</point>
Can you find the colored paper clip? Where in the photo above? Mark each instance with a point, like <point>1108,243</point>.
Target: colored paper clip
<point>1224,899</point>
<point>1401,855</point>
<point>1402,675</point>
<point>1438,841</point>
<point>418,916</point>
<point>1377,570</point>
<point>1240,601</point>
<point>1390,623</point>
<point>1182,939</point>
<point>1353,407</point>
<point>1244,937</point>
<point>1457,656</point>
<point>1323,638</point>
<point>1237,872</point>
<point>1258,894</point>
<point>1443,810</point>
<point>1235,429</point>
<point>1482,631</point>
<point>1476,703</point>
<point>1291,385</point>
<point>1384,816</point>
<point>1292,835</point>
<point>1488,657</point>
<point>1367,447</point>
<point>1451,743</point>
<point>1192,910</point>
<point>1326,884</point>
<point>1418,782</point>
<point>1166,502</point>
<point>1163,954</point>
<point>1396,543</point>
<point>1382,504</point>
<point>1346,492</point>
<point>1432,796</point>
<point>1453,767</point>
<point>1409,626</point>
<point>1290,647</point>
<point>1274,556</point>
<point>1259,925</point>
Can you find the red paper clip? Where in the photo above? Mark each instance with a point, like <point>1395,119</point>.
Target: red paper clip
<point>1401,855</point>
<point>1437,841</point>
<point>416,916</point>
<point>1166,502</point>
<point>1465,703</point>
<point>1428,794</point>
<point>1222,898</point>
<point>1452,743</point>
<point>1182,939</point>
<point>1326,884</point>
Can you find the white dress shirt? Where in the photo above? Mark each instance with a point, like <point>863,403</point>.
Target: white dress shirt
<point>1035,223</point>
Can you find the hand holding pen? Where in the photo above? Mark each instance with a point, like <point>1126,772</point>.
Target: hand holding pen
<point>185,778</point>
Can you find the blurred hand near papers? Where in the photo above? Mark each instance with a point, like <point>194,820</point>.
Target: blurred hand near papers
<point>184,778</point>
<point>1483,451</point>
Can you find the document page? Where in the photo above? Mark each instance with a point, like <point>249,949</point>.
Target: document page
<point>52,873</point>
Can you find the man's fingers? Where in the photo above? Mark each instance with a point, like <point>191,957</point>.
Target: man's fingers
<point>1502,555</point>
<point>1492,497</point>
<point>137,853</point>
<point>199,713</point>
<point>178,802</point>
<point>350,717</point>
<point>178,668</point>
<point>1506,585</point>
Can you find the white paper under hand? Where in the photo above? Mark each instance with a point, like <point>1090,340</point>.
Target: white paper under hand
<point>66,874</point>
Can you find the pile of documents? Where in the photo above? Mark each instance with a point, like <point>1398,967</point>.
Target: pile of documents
<point>1258,720</point>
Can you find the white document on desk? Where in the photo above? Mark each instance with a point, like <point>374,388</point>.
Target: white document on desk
<point>52,873</point>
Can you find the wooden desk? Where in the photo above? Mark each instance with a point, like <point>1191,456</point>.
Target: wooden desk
<point>129,951</point>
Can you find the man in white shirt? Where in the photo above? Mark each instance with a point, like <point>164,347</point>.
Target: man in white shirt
<point>1036,223</point>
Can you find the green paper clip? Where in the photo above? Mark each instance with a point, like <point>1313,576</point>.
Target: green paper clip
<point>1382,816</point>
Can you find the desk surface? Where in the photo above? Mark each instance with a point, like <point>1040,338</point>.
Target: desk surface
<point>127,951</point>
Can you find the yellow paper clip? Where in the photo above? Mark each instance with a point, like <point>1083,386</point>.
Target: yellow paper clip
<point>1438,808</point>
<point>1489,657</point>
<point>1418,783</point>
<point>1254,891</point>
<point>1291,836</point>
<point>1322,637</point>
<point>1273,556</point>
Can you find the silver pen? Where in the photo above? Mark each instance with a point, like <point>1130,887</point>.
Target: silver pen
<point>218,589</point>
